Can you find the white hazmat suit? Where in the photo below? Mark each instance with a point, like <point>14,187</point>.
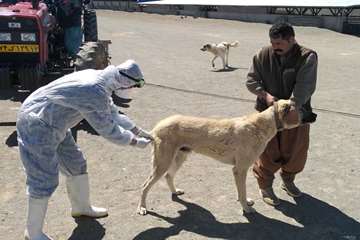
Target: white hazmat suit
<point>47,146</point>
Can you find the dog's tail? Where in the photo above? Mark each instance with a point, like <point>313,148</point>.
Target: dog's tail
<point>234,44</point>
<point>153,135</point>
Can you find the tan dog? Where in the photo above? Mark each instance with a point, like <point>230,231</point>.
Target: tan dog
<point>220,50</point>
<point>235,141</point>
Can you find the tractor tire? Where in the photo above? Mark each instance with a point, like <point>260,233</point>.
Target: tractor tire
<point>5,79</point>
<point>91,55</point>
<point>30,77</point>
<point>90,26</point>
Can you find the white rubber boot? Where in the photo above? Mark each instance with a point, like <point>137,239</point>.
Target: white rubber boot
<point>78,192</point>
<point>35,219</point>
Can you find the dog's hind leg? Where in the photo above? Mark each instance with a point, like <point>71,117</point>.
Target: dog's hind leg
<point>240,181</point>
<point>163,156</point>
<point>223,56</point>
<point>213,61</point>
<point>174,167</point>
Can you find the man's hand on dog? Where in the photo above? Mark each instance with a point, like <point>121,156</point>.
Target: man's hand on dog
<point>270,99</point>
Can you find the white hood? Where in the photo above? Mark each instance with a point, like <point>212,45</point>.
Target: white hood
<point>115,82</point>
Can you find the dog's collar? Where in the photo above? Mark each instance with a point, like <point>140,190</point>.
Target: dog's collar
<point>279,125</point>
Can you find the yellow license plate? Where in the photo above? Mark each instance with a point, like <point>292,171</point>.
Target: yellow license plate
<point>31,48</point>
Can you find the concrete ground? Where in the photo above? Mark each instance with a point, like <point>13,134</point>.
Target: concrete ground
<point>181,80</point>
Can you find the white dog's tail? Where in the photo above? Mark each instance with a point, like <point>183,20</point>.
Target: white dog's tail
<point>234,44</point>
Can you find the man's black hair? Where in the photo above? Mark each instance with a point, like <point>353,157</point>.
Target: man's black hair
<point>282,30</point>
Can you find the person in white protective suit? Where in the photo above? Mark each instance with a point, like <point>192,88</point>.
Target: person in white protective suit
<point>47,146</point>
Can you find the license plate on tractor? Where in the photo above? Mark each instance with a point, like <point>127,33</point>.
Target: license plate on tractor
<point>30,48</point>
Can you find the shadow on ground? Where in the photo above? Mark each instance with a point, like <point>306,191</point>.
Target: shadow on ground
<point>13,94</point>
<point>320,221</point>
<point>229,69</point>
<point>87,229</point>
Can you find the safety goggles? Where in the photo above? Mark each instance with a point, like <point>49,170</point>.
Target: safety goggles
<point>138,82</point>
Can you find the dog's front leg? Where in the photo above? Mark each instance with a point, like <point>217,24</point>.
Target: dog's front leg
<point>227,59</point>
<point>240,181</point>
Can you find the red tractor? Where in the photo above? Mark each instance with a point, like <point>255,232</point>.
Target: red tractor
<point>32,51</point>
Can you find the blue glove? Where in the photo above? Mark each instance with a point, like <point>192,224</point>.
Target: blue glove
<point>145,134</point>
<point>141,133</point>
<point>140,142</point>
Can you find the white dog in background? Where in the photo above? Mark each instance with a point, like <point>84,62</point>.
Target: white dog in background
<point>220,50</point>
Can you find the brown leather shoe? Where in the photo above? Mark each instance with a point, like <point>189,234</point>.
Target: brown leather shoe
<point>269,197</point>
<point>291,189</point>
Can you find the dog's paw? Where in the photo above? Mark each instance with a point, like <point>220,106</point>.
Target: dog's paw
<point>178,192</point>
<point>250,202</point>
<point>142,211</point>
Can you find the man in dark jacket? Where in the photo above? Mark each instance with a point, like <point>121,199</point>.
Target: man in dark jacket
<point>284,70</point>
<point>69,17</point>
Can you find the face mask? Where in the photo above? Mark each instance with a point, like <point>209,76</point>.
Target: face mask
<point>138,82</point>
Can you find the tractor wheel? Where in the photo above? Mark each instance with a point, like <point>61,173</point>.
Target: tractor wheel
<point>91,55</point>
<point>5,80</point>
<point>90,26</point>
<point>30,77</point>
